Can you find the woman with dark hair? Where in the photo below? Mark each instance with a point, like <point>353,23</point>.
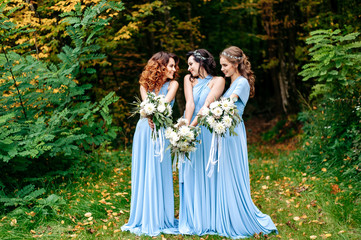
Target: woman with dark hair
<point>197,191</point>
<point>152,201</point>
<point>236,214</point>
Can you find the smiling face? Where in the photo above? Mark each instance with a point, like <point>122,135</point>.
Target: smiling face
<point>193,66</point>
<point>228,68</point>
<point>170,69</point>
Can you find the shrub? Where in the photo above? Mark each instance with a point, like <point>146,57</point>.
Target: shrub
<point>46,118</point>
<point>332,123</point>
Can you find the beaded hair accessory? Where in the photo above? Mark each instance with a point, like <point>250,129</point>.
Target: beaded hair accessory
<point>231,56</point>
<point>198,55</point>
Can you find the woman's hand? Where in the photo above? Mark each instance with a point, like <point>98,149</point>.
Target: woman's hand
<point>151,123</point>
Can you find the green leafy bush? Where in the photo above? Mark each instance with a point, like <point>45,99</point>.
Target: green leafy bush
<point>47,121</point>
<point>332,125</point>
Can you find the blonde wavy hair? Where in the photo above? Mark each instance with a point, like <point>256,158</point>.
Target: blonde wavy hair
<point>235,55</point>
<point>152,77</point>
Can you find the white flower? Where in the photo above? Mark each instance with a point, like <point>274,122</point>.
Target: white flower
<point>168,132</point>
<point>227,121</point>
<point>149,108</point>
<point>161,108</point>
<point>174,137</point>
<point>205,111</point>
<point>220,128</point>
<point>213,104</point>
<point>226,105</point>
<point>183,131</point>
<point>142,104</point>
<point>182,145</point>
<point>143,114</point>
<point>190,135</point>
<point>169,110</point>
<point>181,122</point>
<point>217,111</point>
<point>161,100</point>
<point>210,120</point>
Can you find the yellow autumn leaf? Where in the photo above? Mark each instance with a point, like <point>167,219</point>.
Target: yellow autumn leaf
<point>296,218</point>
<point>324,170</point>
<point>313,237</point>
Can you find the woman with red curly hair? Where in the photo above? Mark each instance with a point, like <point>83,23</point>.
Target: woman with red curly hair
<point>236,214</point>
<point>152,201</point>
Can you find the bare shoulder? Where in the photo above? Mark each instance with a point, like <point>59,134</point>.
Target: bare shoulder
<point>187,77</point>
<point>174,83</point>
<point>219,79</point>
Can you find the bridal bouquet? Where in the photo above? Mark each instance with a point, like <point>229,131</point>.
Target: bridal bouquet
<point>183,140</point>
<point>221,116</point>
<point>156,108</point>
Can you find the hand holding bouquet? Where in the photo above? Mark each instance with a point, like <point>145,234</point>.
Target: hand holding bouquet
<point>155,108</point>
<point>183,139</point>
<point>221,116</point>
<point>160,112</point>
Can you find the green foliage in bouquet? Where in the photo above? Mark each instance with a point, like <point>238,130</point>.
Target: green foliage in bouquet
<point>332,125</point>
<point>45,114</point>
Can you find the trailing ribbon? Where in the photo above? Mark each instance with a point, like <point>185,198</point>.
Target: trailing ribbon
<point>159,143</point>
<point>213,156</point>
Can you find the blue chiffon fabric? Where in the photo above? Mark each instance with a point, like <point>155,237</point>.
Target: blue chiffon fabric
<point>236,214</point>
<point>152,199</point>
<point>197,214</point>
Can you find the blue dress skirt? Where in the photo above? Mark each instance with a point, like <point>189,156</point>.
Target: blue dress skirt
<point>236,214</point>
<point>152,199</point>
<point>197,214</point>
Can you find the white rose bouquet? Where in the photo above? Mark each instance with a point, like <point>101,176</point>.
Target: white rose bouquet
<point>156,108</point>
<point>183,140</point>
<point>221,116</point>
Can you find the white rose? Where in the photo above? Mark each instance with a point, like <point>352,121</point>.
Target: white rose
<point>149,108</point>
<point>220,128</point>
<point>161,108</point>
<point>217,111</point>
<point>227,121</point>
<point>181,122</point>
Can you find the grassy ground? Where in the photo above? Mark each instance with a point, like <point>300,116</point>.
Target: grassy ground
<point>97,200</point>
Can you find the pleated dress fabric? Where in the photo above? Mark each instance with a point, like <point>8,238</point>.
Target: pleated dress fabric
<point>152,199</point>
<point>236,214</point>
<point>196,190</point>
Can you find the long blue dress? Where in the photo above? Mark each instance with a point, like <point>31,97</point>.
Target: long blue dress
<point>196,190</point>
<point>152,199</point>
<point>236,214</point>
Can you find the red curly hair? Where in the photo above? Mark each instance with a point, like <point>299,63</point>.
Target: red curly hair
<point>152,77</point>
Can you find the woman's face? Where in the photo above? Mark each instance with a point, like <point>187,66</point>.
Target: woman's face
<point>170,69</point>
<point>227,67</point>
<point>193,66</point>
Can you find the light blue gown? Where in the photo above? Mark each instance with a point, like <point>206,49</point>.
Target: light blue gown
<point>237,216</point>
<point>152,199</point>
<point>196,190</point>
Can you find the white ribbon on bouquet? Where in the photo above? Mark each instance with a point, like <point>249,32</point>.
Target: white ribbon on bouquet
<point>159,143</point>
<point>213,155</point>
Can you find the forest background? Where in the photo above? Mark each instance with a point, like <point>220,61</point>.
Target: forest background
<point>69,70</point>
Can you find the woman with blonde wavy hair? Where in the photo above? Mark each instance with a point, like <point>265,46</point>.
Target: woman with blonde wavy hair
<point>152,200</point>
<point>236,214</point>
